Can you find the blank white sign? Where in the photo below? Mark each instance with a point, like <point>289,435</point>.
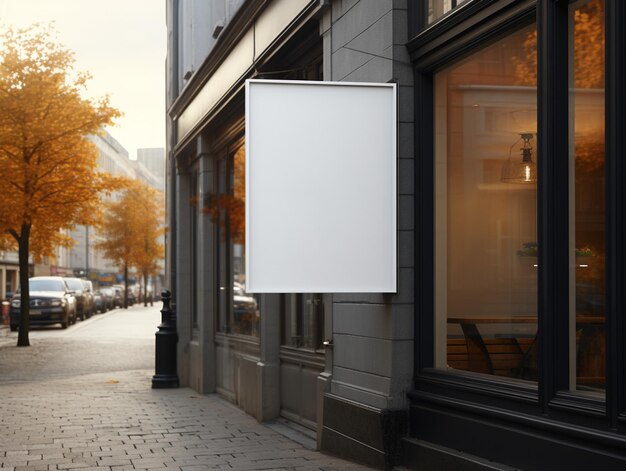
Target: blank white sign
<point>320,187</point>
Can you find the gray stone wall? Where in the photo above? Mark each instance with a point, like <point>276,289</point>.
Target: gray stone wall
<point>364,41</point>
<point>199,22</point>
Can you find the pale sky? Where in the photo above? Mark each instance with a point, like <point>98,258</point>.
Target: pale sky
<point>122,43</point>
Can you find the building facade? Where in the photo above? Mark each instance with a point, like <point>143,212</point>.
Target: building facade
<point>153,159</point>
<point>506,333</point>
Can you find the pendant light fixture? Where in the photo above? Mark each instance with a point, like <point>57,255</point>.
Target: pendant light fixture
<point>524,170</point>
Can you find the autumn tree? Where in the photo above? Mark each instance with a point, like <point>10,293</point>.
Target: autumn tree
<point>48,168</point>
<point>131,231</point>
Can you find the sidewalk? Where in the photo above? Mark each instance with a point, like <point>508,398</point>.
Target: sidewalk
<point>115,421</point>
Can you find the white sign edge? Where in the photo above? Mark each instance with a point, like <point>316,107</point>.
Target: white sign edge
<point>394,183</point>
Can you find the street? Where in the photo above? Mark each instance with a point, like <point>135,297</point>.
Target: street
<point>118,340</point>
<point>81,398</point>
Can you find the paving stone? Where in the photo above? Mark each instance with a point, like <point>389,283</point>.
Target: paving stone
<point>53,417</point>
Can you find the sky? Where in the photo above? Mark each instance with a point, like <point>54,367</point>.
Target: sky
<point>122,44</point>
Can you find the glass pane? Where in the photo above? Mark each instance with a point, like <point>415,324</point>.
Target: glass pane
<point>245,306</point>
<point>303,321</point>
<point>438,8</point>
<point>587,213</point>
<point>486,210</point>
<point>193,230</point>
<point>218,216</point>
<point>239,310</point>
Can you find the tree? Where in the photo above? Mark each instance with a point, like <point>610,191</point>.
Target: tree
<point>47,165</point>
<point>131,230</point>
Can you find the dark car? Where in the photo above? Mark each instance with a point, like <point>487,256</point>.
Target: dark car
<point>99,302</point>
<point>132,299</point>
<point>89,298</point>
<point>108,298</point>
<point>51,302</point>
<point>118,296</point>
<point>84,301</point>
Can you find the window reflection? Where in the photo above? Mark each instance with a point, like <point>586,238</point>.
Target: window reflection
<point>587,201</point>
<point>438,8</point>
<point>486,211</point>
<point>239,310</point>
<point>303,320</point>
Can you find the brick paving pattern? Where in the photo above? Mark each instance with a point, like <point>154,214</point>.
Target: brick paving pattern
<point>116,422</point>
<point>66,417</point>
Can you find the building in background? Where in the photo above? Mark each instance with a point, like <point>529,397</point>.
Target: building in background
<point>507,331</point>
<point>83,259</point>
<point>153,159</point>
<point>9,274</point>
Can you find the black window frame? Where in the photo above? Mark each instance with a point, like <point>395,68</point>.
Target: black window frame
<point>439,44</point>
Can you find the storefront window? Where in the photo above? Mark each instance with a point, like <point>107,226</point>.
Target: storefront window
<point>438,8</point>
<point>239,310</point>
<point>303,321</point>
<point>486,210</point>
<point>193,224</point>
<point>587,196</point>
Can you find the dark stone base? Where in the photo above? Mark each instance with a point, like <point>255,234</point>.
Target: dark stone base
<point>165,381</point>
<point>430,457</point>
<point>363,434</point>
<point>445,439</point>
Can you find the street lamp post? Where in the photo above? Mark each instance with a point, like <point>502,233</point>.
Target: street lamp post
<point>165,351</point>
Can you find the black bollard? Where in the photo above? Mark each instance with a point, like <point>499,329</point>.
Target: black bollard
<point>166,340</point>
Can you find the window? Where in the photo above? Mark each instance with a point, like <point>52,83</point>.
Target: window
<point>587,200</point>
<point>303,320</point>
<point>11,277</point>
<point>438,8</point>
<point>193,233</point>
<point>550,271</point>
<point>486,210</point>
<point>239,311</point>
<point>486,243</point>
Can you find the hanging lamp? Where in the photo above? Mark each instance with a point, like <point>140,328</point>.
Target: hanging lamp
<point>524,170</point>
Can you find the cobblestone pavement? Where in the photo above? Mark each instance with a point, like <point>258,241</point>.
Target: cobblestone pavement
<point>81,399</point>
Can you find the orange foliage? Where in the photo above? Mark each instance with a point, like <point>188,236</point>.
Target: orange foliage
<point>132,227</point>
<point>588,49</point>
<point>47,166</point>
<point>231,208</point>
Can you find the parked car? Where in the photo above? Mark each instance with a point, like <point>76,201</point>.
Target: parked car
<point>118,295</point>
<point>132,299</point>
<point>99,303</point>
<point>108,297</point>
<point>51,302</point>
<point>88,293</point>
<point>84,301</point>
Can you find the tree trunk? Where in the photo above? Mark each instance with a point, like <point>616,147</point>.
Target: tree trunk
<point>125,286</point>
<point>23,249</point>
<point>145,289</point>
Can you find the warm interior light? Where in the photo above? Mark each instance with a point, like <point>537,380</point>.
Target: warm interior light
<point>524,170</point>
<point>527,173</point>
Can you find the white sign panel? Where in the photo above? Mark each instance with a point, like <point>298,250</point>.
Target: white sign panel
<point>320,187</point>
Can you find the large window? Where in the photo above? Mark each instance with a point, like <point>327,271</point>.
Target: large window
<point>519,224</point>
<point>486,210</point>
<point>238,310</point>
<point>587,200</point>
<point>487,242</point>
